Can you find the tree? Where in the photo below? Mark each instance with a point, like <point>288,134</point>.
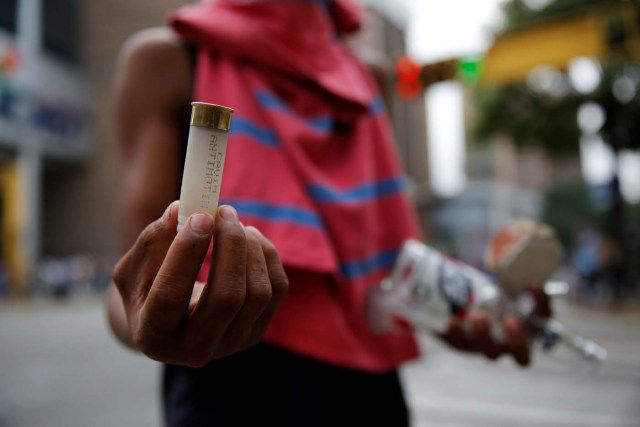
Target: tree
<point>547,118</point>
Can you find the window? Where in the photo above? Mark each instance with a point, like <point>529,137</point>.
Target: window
<point>8,15</point>
<point>60,26</point>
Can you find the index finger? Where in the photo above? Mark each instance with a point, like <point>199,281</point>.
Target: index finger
<point>135,271</point>
<point>167,303</point>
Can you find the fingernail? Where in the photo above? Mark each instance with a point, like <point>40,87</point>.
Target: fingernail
<point>201,223</point>
<point>228,213</point>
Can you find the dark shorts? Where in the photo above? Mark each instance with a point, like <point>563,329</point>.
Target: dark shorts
<point>272,387</point>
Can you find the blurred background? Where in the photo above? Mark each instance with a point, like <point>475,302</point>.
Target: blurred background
<point>501,109</point>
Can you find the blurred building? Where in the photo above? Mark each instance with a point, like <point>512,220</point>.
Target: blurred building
<point>58,168</point>
<point>58,160</point>
<point>504,182</point>
<point>44,119</point>
<point>382,42</point>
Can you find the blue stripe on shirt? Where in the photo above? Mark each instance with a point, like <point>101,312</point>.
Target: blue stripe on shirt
<point>262,134</point>
<point>356,269</point>
<point>321,124</point>
<point>323,3</point>
<point>269,101</point>
<point>368,191</point>
<point>276,213</point>
<point>377,106</point>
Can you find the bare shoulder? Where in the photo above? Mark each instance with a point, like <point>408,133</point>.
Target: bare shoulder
<point>154,65</point>
<point>153,46</point>
<point>152,95</point>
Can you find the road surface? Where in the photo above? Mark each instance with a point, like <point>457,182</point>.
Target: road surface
<point>59,367</point>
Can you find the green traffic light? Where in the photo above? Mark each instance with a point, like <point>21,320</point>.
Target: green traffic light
<point>470,69</point>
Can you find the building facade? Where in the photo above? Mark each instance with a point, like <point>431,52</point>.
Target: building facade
<point>58,165</point>
<point>44,120</point>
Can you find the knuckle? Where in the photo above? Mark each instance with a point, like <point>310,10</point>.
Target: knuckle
<point>168,285</point>
<point>280,284</point>
<point>252,239</point>
<point>260,293</point>
<point>234,244</point>
<point>239,340</point>
<point>160,350</point>
<point>236,238</point>
<point>232,233</point>
<point>119,274</point>
<point>228,302</point>
<point>149,236</point>
<point>149,337</point>
<point>199,349</point>
<point>270,250</point>
<point>232,300</point>
<point>144,342</point>
<point>257,272</point>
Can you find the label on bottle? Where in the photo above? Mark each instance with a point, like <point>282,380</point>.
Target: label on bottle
<point>425,288</point>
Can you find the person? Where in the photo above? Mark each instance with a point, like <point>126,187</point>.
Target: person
<point>586,262</point>
<point>267,327</point>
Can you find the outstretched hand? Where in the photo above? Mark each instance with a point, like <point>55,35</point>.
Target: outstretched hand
<point>474,335</point>
<point>173,320</point>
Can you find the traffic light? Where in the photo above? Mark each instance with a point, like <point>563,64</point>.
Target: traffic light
<point>439,71</point>
<point>413,78</point>
<point>470,69</point>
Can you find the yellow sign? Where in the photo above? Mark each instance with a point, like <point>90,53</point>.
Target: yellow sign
<point>594,33</point>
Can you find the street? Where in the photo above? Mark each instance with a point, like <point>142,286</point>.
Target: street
<point>454,390</point>
<point>60,368</point>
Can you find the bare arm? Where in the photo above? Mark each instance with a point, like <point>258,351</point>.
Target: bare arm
<point>152,306</point>
<point>152,86</point>
<point>153,91</point>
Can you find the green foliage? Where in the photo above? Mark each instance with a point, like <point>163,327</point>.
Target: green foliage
<point>528,118</point>
<point>567,207</point>
<point>622,126</point>
<point>549,119</point>
<point>517,14</point>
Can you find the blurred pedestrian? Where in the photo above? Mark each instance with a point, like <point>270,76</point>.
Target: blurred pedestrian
<point>612,271</point>
<point>586,262</point>
<point>311,164</point>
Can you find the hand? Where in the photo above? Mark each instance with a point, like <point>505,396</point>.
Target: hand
<point>156,279</point>
<point>475,336</point>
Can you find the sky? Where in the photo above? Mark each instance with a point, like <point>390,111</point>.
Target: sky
<point>439,30</point>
